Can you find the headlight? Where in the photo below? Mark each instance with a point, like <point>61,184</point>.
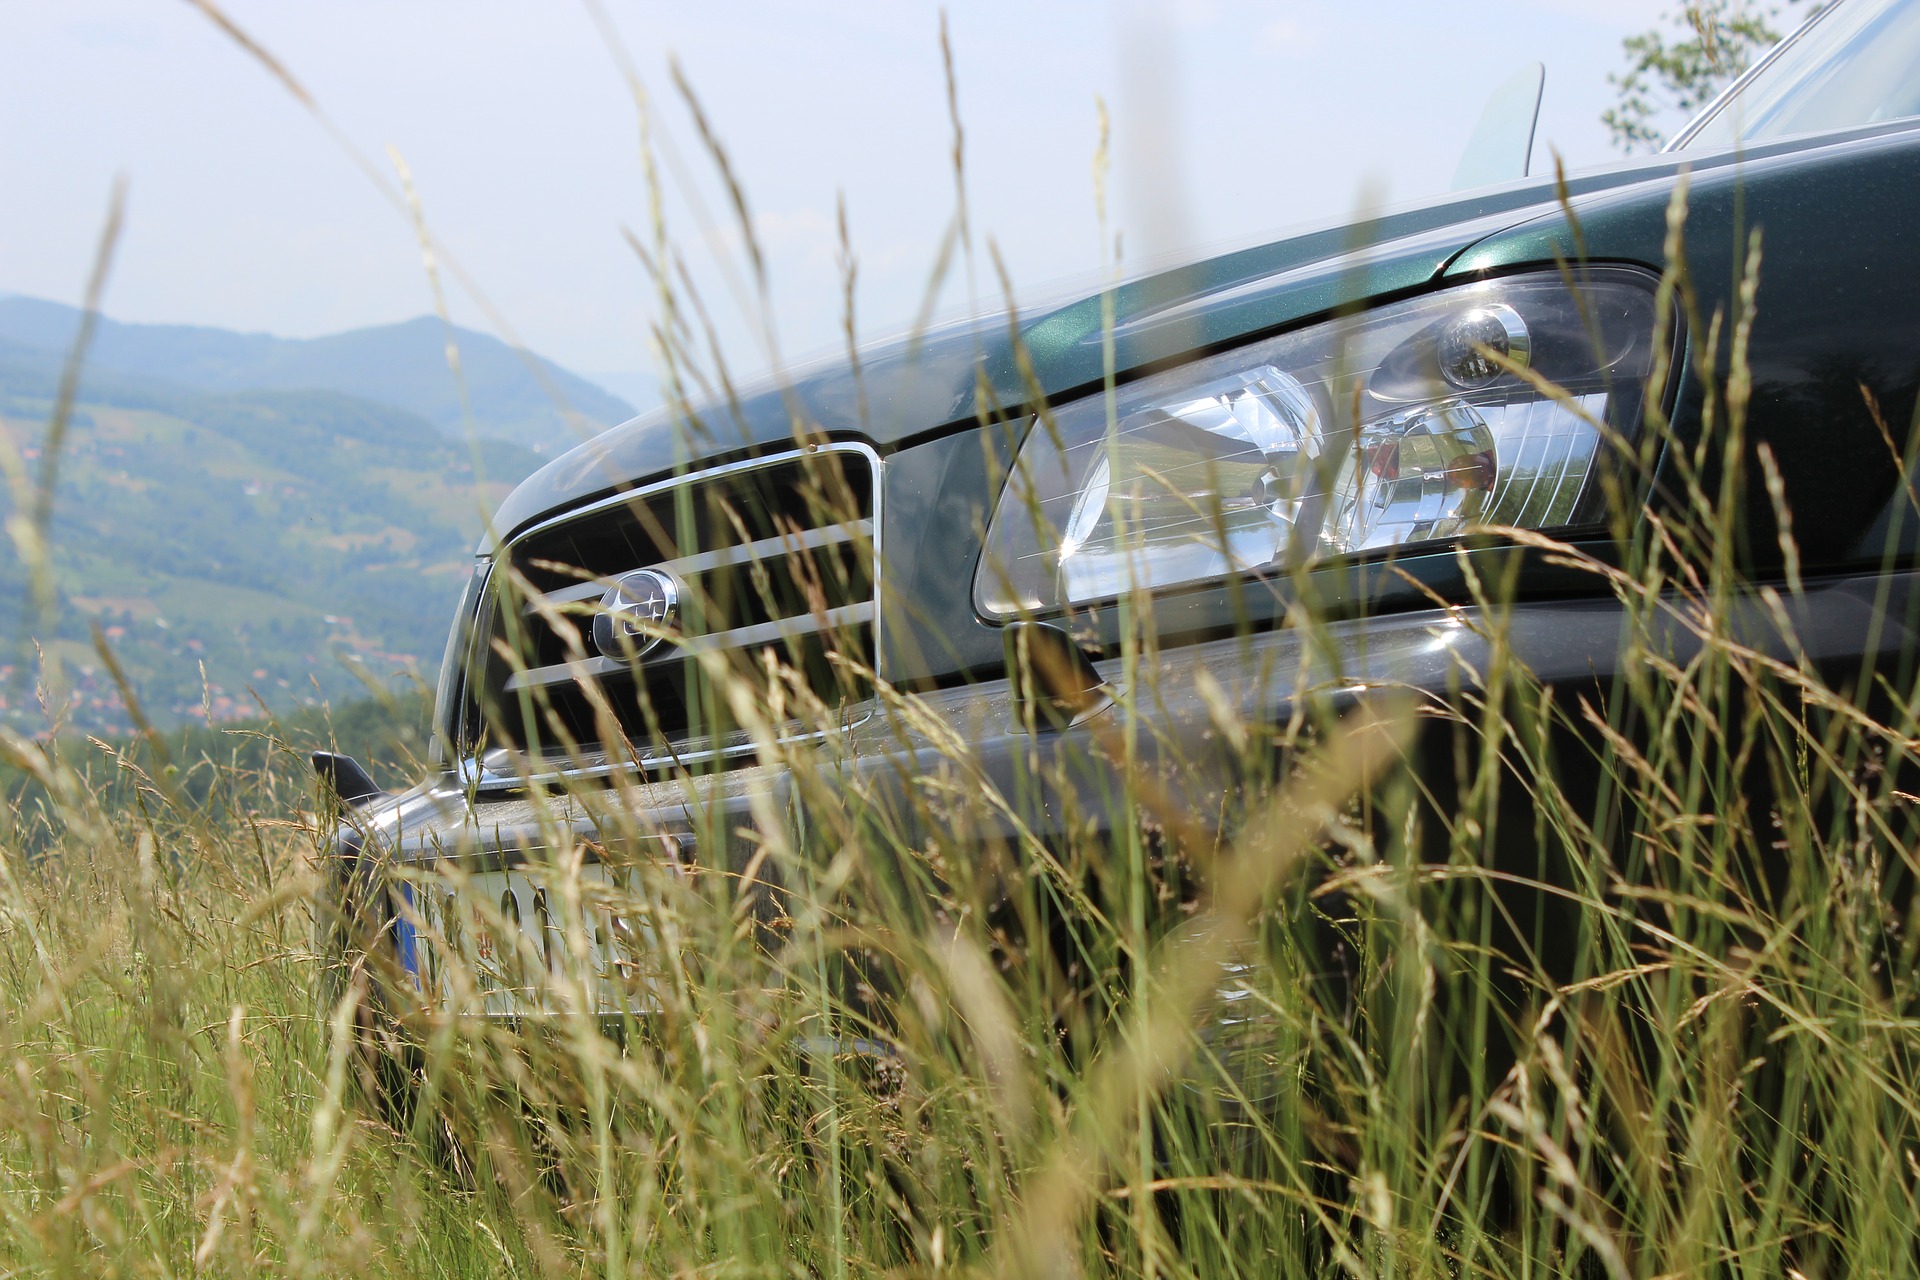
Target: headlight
<point>1402,425</point>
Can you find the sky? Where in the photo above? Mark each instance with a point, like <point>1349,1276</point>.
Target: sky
<point>1229,121</point>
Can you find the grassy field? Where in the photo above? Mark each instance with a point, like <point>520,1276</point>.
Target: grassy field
<point>1316,1029</point>
<point>1319,1032</point>
<point>1177,1083</point>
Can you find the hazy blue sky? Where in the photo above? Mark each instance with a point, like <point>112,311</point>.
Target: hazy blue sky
<point>1230,119</point>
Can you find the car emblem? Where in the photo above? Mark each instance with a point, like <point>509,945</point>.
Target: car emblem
<point>634,612</point>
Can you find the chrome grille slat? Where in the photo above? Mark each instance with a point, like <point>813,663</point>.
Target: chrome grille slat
<point>831,535</point>
<point>762,633</point>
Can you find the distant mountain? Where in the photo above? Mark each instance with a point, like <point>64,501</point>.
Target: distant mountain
<point>288,545</point>
<point>514,394</point>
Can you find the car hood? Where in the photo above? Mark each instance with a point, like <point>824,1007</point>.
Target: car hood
<point>921,385</point>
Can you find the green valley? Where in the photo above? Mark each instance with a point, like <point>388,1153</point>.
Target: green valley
<point>234,549</point>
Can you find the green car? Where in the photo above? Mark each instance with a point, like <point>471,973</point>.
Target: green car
<point>1255,490</point>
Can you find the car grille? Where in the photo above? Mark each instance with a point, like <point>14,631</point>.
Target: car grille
<point>774,562</point>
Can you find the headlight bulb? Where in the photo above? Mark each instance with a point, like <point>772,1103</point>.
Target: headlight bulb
<point>1416,475</point>
<point>1467,345</point>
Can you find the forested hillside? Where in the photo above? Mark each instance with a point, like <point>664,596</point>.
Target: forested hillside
<point>290,544</point>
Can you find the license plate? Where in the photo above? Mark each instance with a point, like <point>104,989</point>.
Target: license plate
<point>503,938</point>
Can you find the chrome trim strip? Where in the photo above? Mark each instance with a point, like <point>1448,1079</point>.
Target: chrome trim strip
<point>1680,140</point>
<point>485,776</point>
<point>707,473</point>
<point>450,690</point>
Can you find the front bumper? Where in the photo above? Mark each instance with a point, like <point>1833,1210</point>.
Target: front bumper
<point>928,758</point>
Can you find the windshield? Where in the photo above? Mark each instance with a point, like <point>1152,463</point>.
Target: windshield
<point>1858,63</point>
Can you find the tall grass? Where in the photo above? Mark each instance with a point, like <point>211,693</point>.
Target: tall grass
<point>1288,1004</point>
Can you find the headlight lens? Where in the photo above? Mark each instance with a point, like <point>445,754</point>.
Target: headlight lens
<point>1406,424</point>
